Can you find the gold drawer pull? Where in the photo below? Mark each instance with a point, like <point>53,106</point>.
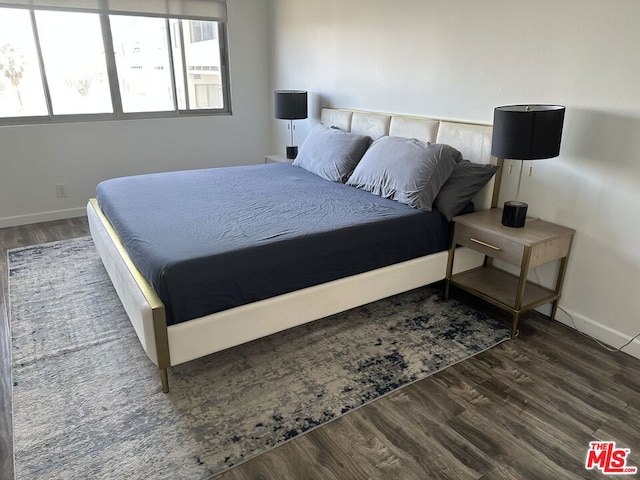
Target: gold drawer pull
<point>484,244</point>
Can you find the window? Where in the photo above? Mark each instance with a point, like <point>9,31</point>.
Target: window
<point>64,65</point>
<point>142,60</point>
<point>21,90</point>
<point>202,66</point>
<point>74,62</point>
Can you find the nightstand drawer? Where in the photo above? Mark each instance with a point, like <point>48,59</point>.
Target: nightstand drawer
<point>493,245</point>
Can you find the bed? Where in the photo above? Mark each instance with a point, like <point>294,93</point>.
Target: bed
<point>387,249</point>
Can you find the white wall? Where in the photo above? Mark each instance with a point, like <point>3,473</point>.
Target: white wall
<point>458,60</point>
<point>33,159</point>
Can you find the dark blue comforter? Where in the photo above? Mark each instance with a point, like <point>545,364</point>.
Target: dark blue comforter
<point>209,240</point>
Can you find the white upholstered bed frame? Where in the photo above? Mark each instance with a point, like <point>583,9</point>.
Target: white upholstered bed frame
<point>171,345</point>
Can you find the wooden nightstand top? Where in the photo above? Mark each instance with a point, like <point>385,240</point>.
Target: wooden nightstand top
<point>534,232</point>
<point>276,159</point>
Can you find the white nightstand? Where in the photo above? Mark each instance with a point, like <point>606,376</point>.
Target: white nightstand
<point>276,159</point>
<point>537,243</point>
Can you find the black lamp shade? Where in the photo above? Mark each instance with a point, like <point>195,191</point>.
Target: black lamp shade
<point>527,132</point>
<point>290,104</point>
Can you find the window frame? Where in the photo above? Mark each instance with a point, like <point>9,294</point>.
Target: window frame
<point>113,80</point>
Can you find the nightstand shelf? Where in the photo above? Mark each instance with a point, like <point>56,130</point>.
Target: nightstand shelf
<point>537,243</point>
<point>501,288</point>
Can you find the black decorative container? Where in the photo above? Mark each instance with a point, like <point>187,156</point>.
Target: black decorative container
<point>514,214</point>
<point>292,152</point>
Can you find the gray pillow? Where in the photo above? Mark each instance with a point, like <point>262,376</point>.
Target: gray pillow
<point>331,153</point>
<point>405,169</point>
<point>466,180</point>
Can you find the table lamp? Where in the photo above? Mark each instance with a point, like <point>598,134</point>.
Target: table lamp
<point>525,132</point>
<point>290,105</point>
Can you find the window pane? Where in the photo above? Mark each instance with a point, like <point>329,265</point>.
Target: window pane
<point>142,59</point>
<point>74,62</point>
<point>202,31</point>
<point>21,91</point>
<point>202,54</point>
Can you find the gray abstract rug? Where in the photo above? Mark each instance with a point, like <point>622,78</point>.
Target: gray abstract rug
<point>87,401</point>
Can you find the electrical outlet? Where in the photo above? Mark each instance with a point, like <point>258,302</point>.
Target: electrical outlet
<point>61,190</point>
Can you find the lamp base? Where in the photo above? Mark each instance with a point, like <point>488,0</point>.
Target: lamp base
<point>292,152</point>
<point>514,214</point>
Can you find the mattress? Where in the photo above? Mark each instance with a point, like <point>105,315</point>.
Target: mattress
<point>213,239</point>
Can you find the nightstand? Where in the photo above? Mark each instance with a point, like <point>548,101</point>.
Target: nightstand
<point>537,243</point>
<point>276,159</point>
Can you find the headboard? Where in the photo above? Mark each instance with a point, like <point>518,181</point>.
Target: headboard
<point>471,139</point>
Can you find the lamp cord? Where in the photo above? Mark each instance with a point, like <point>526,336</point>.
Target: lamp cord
<point>609,348</point>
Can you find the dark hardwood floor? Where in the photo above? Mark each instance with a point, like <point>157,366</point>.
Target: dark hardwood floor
<point>526,409</point>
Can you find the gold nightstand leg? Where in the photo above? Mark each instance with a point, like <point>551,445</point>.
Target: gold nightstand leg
<point>522,283</point>
<point>514,324</point>
<point>559,282</point>
<point>447,282</point>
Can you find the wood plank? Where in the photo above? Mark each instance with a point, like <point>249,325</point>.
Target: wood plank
<point>364,448</point>
<point>549,399</point>
<point>413,434</point>
<point>509,441</point>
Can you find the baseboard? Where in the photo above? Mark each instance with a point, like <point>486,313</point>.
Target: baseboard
<point>603,333</point>
<point>42,217</point>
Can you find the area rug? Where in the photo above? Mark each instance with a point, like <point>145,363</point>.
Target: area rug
<point>88,404</point>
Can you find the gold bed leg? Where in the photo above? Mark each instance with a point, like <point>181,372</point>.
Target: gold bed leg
<point>164,379</point>
<point>162,345</point>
